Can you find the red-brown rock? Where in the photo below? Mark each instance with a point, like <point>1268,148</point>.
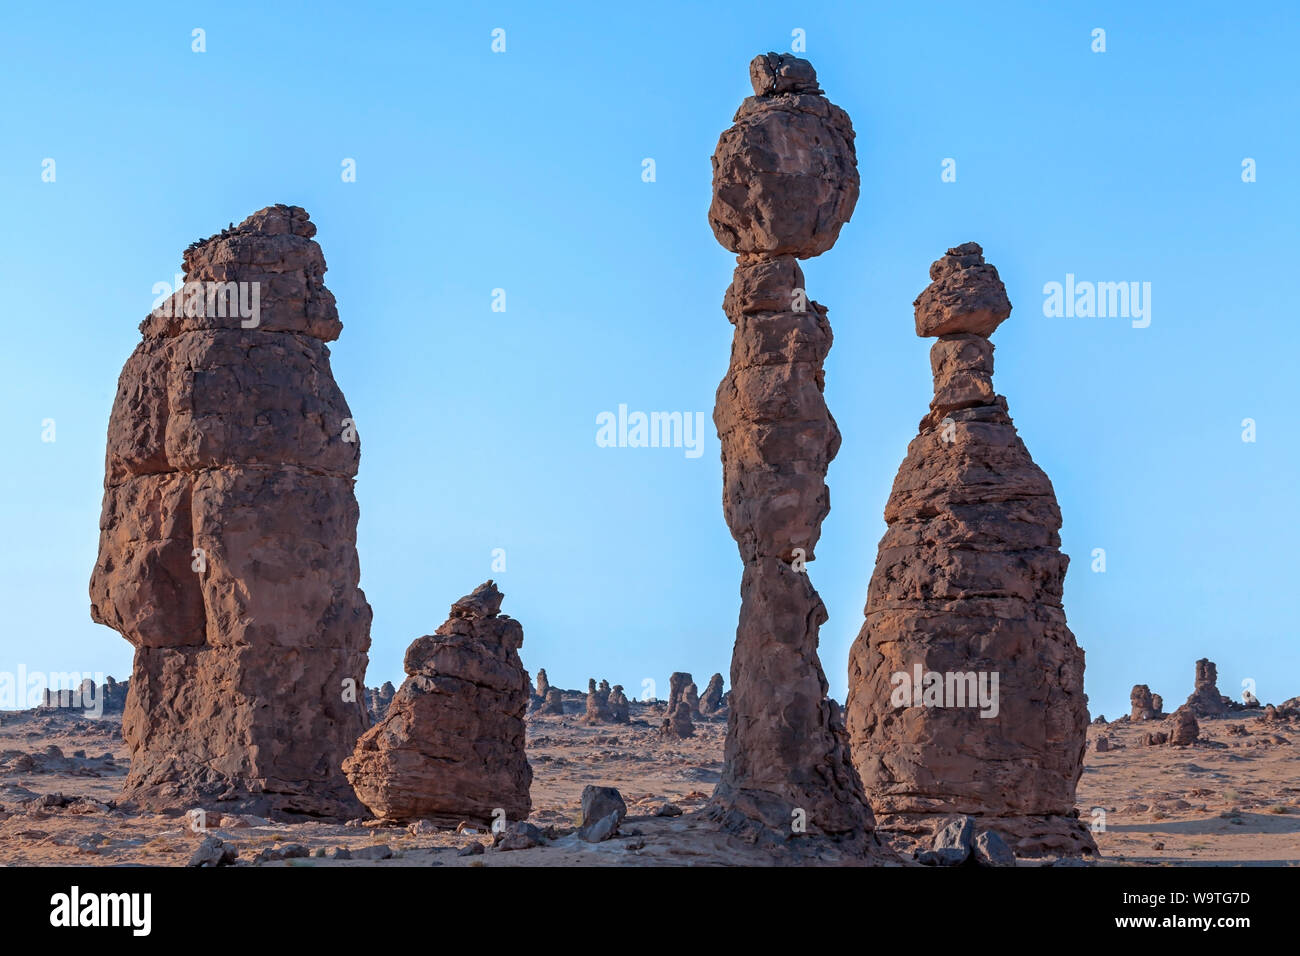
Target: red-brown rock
<point>784,182</point>
<point>452,745</point>
<point>967,586</point>
<point>227,551</point>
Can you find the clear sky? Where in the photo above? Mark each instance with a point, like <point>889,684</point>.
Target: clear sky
<point>522,171</point>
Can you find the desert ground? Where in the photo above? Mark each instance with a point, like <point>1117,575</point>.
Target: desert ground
<point>1232,798</point>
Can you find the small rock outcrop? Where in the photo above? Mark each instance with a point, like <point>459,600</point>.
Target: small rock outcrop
<point>451,747</point>
<point>378,699</point>
<point>678,722</point>
<point>1205,699</point>
<point>1183,729</point>
<point>712,701</point>
<point>227,546</point>
<point>785,181</point>
<point>1141,705</point>
<point>967,591</point>
<point>598,711</point>
<point>618,705</point>
<point>554,703</point>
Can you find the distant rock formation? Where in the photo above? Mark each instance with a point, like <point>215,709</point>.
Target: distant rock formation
<point>378,699</point>
<point>1141,704</point>
<point>712,701</point>
<point>618,705</point>
<point>691,694</point>
<point>538,697</point>
<point>966,590</point>
<point>597,703</point>
<point>785,181</point>
<point>1184,730</point>
<point>227,549</point>
<point>1205,699</point>
<point>1158,705</point>
<point>452,745</point>
<point>678,723</point>
<point>554,703</point>
<point>108,697</point>
<point>677,682</point>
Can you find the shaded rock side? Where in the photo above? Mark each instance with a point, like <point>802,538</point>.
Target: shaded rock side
<point>968,581</point>
<point>451,747</point>
<point>227,547</point>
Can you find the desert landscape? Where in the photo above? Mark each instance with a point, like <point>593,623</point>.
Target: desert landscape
<point>950,729</point>
<point>1230,797</point>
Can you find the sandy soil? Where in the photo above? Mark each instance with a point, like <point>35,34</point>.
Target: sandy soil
<point>1232,799</point>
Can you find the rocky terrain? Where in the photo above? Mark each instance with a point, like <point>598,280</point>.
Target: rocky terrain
<point>1230,798</point>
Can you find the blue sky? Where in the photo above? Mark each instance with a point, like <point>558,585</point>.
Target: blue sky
<point>522,171</point>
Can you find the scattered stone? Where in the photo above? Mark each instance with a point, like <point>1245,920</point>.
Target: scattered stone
<point>597,703</point>
<point>1102,745</point>
<point>668,810</point>
<point>228,536</point>
<point>452,744</point>
<point>471,849</point>
<point>598,802</point>
<point>422,828</point>
<point>376,851</point>
<point>967,587</point>
<point>1156,739</point>
<point>989,849</point>
<point>520,835</point>
<point>213,852</point>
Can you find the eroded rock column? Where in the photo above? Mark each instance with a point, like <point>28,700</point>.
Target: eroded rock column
<point>227,549</point>
<point>784,182</point>
<point>965,684</point>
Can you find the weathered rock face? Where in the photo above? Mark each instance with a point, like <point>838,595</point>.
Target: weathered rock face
<point>785,181</point>
<point>543,683</point>
<point>597,703</point>
<point>1158,704</point>
<point>711,701</point>
<point>1142,707</point>
<point>452,745</point>
<point>691,695</point>
<point>227,549</point>
<point>1205,699</point>
<point>967,587</point>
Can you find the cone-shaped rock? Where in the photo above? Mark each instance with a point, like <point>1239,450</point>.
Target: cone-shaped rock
<point>785,181</point>
<point>451,746</point>
<point>967,586</point>
<point>227,549</point>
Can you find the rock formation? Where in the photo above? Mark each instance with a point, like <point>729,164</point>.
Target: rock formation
<point>227,549</point>
<point>554,702</point>
<point>543,683</point>
<point>597,703</point>
<point>677,723</point>
<point>108,697</point>
<point>967,588</point>
<point>677,682</point>
<point>711,701</point>
<point>1205,699</point>
<point>378,699</point>
<point>1158,704</point>
<point>1184,729</point>
<point>452,745</point>
<point>1142,707</point>
<point>618,705</point>
<point>691,695</point>
<point>785,181</point>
